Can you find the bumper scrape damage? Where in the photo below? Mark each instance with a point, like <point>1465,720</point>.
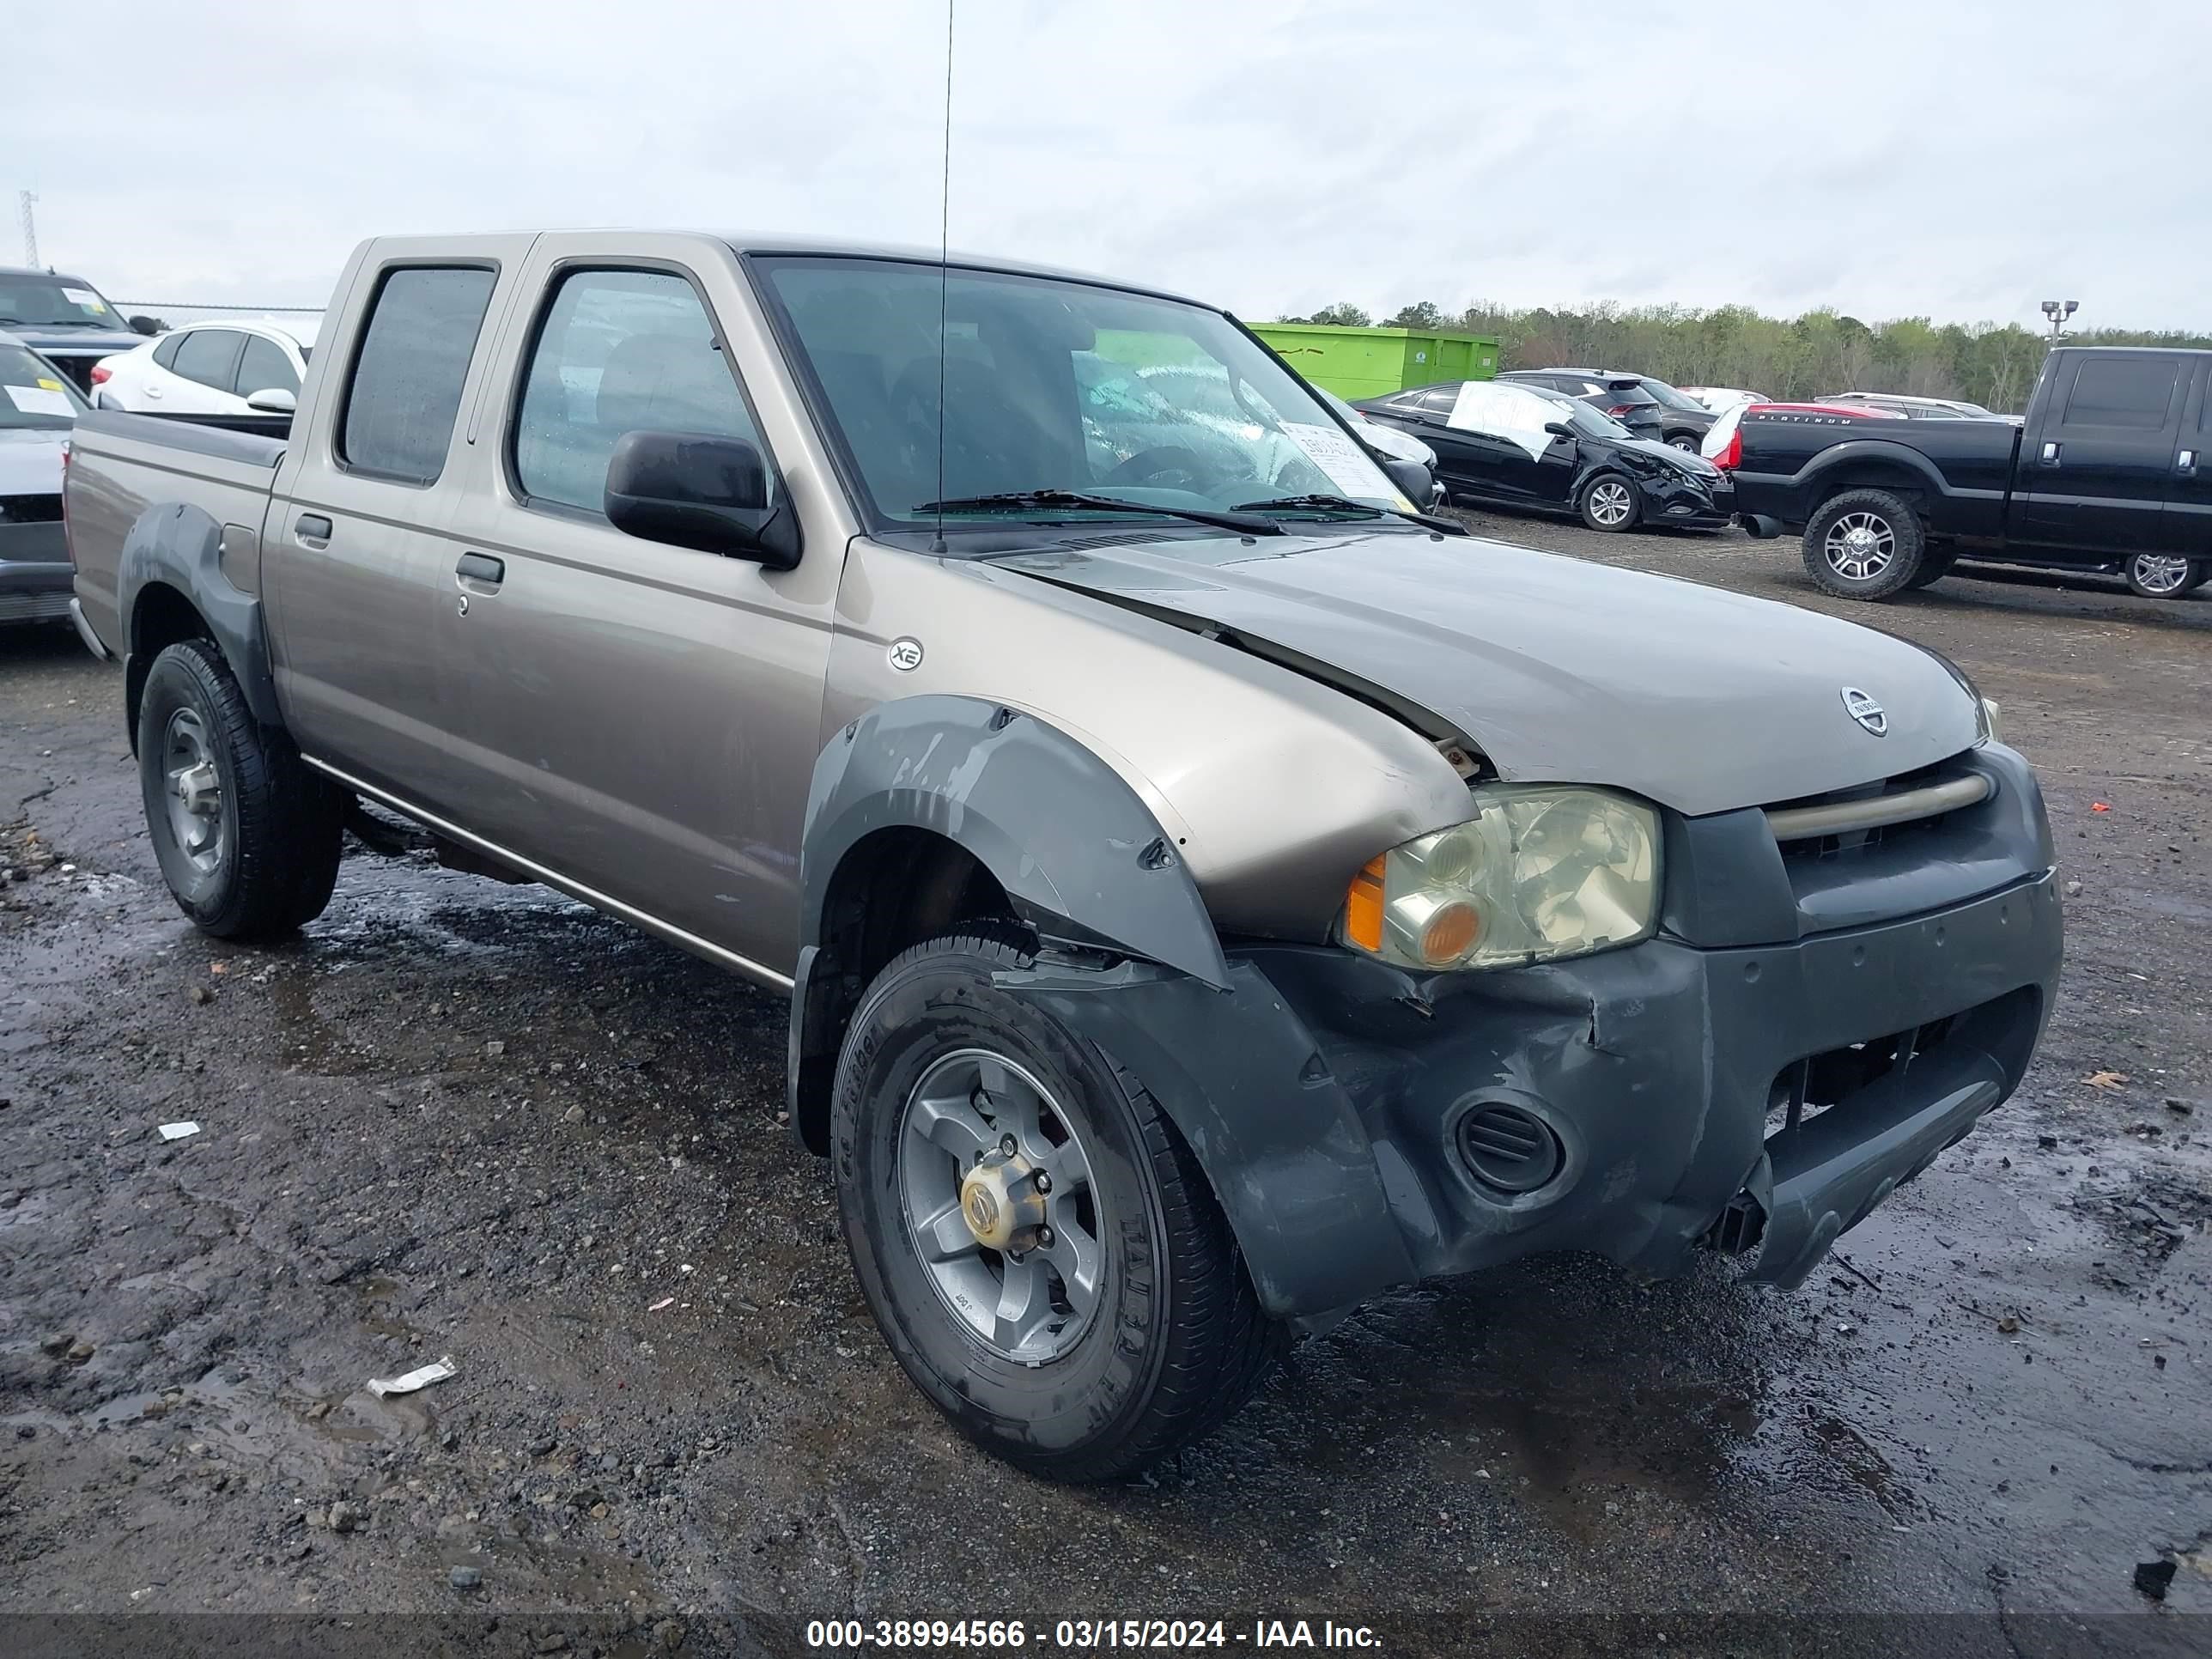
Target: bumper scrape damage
<point>1365,1126</point>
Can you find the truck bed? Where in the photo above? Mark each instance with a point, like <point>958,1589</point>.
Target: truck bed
<point>120,464</point>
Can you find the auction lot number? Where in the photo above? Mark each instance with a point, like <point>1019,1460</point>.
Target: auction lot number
<point>928,1634</point>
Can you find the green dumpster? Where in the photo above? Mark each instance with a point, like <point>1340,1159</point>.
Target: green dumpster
<point>1374,363</point>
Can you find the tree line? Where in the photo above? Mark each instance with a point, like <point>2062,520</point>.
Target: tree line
<point>1993,364</point>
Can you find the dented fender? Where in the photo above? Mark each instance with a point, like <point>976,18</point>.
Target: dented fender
<point>1078,854</point>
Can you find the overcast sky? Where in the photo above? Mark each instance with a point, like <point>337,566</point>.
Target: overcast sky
<point>1958,158</point>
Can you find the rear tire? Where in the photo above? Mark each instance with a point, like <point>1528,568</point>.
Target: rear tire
<point>1864,544</point>
<point>247,837</point>
<point>1683,441</point>
<point>2162,576</point>
<point>1610,502</point>
<point>1153,1343</point>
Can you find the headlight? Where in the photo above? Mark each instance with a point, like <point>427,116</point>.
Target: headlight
<point>1539,872</point>
<point>1991,728</point>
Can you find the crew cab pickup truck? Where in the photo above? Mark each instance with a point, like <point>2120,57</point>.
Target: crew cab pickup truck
<point>2107,472</point>
<point>1208,893</point>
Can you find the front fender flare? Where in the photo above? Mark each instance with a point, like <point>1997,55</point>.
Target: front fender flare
<point>1078,853</point>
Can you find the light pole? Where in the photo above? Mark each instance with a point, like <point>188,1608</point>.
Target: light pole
<point>2058,314</point>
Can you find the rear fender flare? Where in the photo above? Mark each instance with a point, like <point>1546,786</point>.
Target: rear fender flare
<point>180,546</point>
<point>1858,450</point>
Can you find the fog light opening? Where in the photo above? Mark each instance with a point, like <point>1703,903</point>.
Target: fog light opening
<point>1508,1148</point>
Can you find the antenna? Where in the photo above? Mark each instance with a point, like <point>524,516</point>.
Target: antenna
<point>943,275</point>
<point>30,229</point>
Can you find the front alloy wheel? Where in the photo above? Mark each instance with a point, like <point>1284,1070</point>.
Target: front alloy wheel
<point>1000,1205</point>
<point>1609,503</point>
<point>1040,1247</point>
<point>2160,576</point>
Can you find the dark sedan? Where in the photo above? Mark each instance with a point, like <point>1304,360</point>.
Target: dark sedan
<point>1516,446</point>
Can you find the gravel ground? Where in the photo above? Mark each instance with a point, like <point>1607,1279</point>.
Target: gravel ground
<point>456,1119</point>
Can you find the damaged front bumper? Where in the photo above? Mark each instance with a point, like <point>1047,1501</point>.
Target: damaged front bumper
<point>1365,1128</point>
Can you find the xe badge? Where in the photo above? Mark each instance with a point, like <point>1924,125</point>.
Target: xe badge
<point>1865,710</point>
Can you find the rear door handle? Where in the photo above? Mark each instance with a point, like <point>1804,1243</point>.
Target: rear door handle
<point>481,567</point>
<point>313,529</point>
<point>2185,463</point>
<point>2050,454</point>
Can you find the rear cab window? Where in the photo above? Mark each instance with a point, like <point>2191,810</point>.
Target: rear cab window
<point>2134,392</point>
<point>409,369</point>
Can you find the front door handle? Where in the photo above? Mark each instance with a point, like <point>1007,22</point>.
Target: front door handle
<point>481,567</point>
<point>2185,464</point>
<point>2050,454</point>
<point>313,529</point>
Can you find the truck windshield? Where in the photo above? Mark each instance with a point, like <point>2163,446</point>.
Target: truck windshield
<point>31,298</point>
<point>32,394</point>
<point>1055,385</point>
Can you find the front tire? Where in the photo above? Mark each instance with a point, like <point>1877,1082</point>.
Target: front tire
<point>1610,502</point>
<point>2163,576</point>
<point>1864,544</point>
<point>247,837</point>
<point>1079,1329</point>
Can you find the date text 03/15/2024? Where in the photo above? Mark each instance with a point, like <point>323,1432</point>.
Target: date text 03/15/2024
<point>1086,1635</point>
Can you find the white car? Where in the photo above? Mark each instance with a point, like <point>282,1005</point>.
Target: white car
<point>1722,398</point>
<point>228,367</point>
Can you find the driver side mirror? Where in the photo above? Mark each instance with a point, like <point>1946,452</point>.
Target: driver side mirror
<point>272,400</point>
<point>1558,428</point>
<point>708,494</point>
<point>1411,477</point>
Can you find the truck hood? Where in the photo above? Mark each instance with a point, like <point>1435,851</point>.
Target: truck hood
<point>77,342</point>
<point>31,460</point>
<point>1559,670</point>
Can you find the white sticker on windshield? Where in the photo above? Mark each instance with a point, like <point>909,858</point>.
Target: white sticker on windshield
<point>84,298</point>
<point>1349,467</point>
<point>37,400</point>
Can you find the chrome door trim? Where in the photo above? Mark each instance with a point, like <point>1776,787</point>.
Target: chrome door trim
<point>590,895</point>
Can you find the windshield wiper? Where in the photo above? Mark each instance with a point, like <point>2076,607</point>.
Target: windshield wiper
<point>1343,504</point>
<point>1022,500</point>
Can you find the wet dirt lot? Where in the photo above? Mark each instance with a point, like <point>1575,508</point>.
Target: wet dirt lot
<point>456,1119</point>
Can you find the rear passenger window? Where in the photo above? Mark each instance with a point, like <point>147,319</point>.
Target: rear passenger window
<point>2131,391</point>
<point>1440,401</point>
<point>265,368</point>
<point>166,352</point>
<point>407,379</point>
<point>206,356</point>
<point>619,351</point>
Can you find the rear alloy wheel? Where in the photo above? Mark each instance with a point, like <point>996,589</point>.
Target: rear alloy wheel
<point>2162,576</point>
<point>1864,544</point>
<point>1682,441</point>
<point>1041,1251</point>
<point>1609,503</point>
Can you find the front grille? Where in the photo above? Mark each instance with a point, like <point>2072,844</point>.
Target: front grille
<point>1922,800</point>
<point>30,509</point>
<point>77,368</point>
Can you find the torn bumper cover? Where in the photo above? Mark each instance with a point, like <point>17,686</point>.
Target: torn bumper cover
<point>1365,1128</point>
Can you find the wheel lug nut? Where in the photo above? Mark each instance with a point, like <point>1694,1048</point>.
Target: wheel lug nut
<point>1044,1237</point>
<point>1043,1182</point>
<point>1009,1146</point>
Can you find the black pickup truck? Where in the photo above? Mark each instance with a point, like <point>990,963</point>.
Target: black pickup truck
<point>2106,473</point>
